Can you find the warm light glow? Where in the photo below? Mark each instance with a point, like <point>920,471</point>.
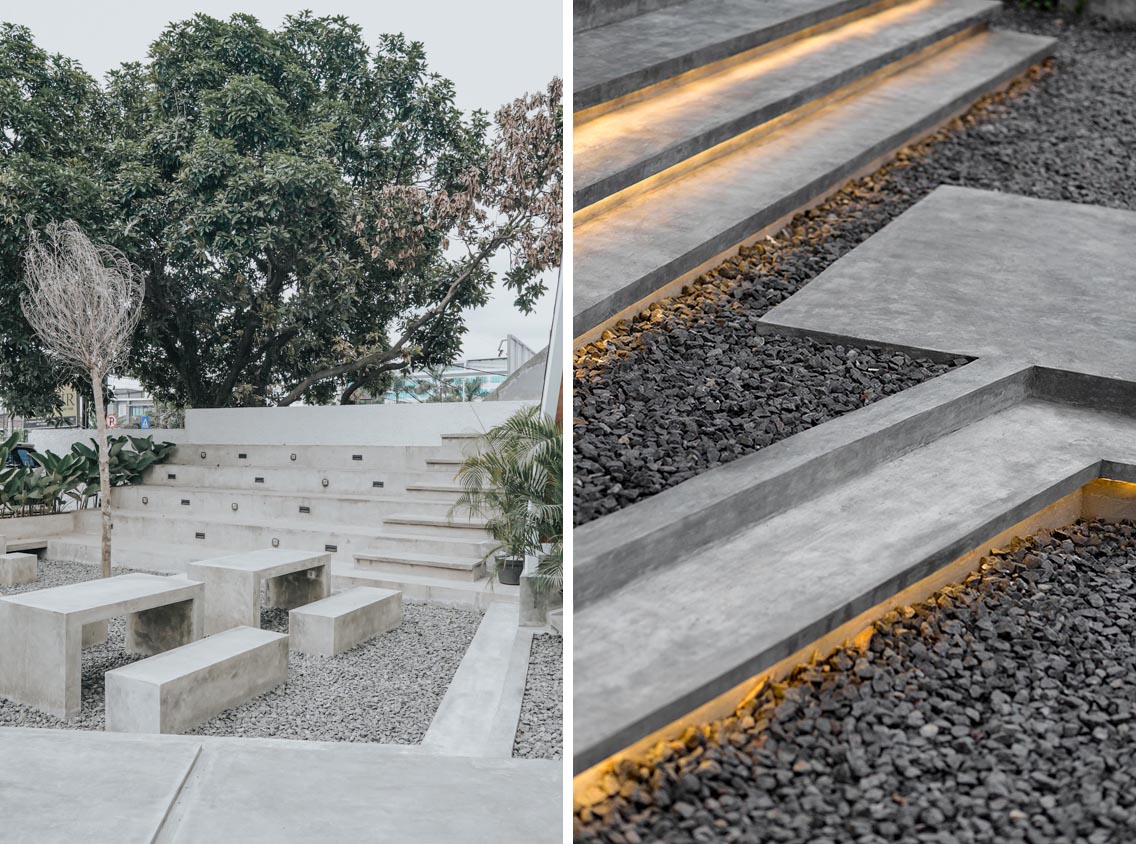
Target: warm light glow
<point>1100,499</point>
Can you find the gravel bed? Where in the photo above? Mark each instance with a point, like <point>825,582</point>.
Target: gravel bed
<point>1000,710</point>
<point>386,690</point>
<point>540,729</point>
<point>660,399</point>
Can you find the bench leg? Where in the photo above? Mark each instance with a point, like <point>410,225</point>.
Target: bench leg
<point>41,660</point>
<point>163,628</point>
<point>299,588</point>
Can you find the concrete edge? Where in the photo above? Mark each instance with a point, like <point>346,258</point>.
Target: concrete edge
<point>503,732</point>
<point>614,550</point>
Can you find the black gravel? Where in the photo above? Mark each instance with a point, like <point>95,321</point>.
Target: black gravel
<point>385,690</point>
<point>675,393</point>
<point>540,728</point>
<point>1000,710</point>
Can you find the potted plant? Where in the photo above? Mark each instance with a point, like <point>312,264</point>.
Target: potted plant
<point>514,481</point>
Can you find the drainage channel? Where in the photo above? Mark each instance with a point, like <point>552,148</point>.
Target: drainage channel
<point>992,693</point>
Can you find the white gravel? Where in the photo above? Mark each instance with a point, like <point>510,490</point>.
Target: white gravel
<point>386,690</point>
<point>540,730</point>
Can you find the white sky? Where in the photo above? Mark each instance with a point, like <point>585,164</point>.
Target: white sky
<point>493,50</point>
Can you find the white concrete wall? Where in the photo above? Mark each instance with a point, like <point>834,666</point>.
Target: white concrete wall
<point>373,424</point>
<point>59,440</point>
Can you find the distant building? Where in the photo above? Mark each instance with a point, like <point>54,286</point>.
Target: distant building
<point>471,379</point>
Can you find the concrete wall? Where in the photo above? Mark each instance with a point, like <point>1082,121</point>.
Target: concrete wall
<point>1117,10</point>
<point>59,440</point>
<point>375,424</point>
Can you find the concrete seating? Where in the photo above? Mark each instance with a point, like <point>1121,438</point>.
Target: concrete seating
<point>17,568</point>
<point>179,689</point>
<point>339,623</point>
<point>233,584</point>
<point>43,632</point>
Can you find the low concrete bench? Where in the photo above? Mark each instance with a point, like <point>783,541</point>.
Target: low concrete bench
<point>18,568</point>
<point>179,689</point>
<point>43,632</point>
<point>341,622</point>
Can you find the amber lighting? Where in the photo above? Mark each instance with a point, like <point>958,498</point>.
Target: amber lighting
<point>1101,499</point>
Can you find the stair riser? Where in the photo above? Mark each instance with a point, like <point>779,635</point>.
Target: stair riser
<point>167,501</point>
<point>423,569</point>
<point>387,458</point>
<point>249,537</point>
<point>439,531</point>
<point>297,481</point>
<point>665,163</point>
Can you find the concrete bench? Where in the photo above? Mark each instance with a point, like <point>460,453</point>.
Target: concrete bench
<point>339,623</point>
<point>18,568</point>
<point>179,689</point>
<point>233,584</point>
<point>28,544</point>
<point>43,632</point>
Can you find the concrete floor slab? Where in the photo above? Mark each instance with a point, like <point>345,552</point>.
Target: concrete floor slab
<point>988,274</point>
<point>58,787</point>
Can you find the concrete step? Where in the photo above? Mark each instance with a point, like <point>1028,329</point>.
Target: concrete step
<point>449,491</point>
<point>644,249</point>
<point>434,525</point>
<point>625,146</point>
<point>341,541</point>
<point>441,591</point>
<point>428,565</point>
<point>209,502</point>
<point>446,465</point>
<point>620,58</point>
<point>298,480</point>
<point>396,458</point>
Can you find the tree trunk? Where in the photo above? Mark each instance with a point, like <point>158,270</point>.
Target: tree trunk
<point>104,467</point>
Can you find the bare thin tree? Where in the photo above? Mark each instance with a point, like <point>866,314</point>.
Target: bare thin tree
<point>84,302</point>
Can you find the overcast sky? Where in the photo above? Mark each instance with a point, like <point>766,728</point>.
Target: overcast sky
<point>493,50</point>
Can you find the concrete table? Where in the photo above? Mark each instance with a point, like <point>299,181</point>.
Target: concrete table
<point>233,584</point>
<point>42,632</point>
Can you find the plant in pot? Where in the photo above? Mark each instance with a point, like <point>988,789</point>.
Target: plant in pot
<point>514,481</point>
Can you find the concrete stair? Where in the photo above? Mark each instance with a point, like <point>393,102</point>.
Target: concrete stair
<point>215,500</point>
<point>705,125</point>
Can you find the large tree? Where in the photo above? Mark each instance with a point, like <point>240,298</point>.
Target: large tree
<point>254,173</point>
<point>52,133</point>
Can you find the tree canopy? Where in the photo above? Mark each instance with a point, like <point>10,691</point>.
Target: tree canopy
<point>294,198</point>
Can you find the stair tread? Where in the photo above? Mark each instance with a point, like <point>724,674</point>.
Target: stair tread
<point>267,493</point>
<point>443,521</point>
<point>345,570</point>
<point>627,253</point>
<point>641,139</point>
<point>408,557</point>
<point>618,58</point>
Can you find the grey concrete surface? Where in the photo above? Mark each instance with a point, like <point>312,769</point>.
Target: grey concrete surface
<point>103,788</point>
<point>629,251</point>
<point>17,568</point>
<point>480,697</point>
<point>1047,283</point>
<point>175,691</point>
<point>624,56</point>
<point>233,584</point>
<point>340,622</point>
<point>640,139</point>
<point>43,632</point>
<point>588,14</point>
<point>731,609</point>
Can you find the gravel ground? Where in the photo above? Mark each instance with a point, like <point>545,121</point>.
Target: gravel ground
<point>386,690</point>
<point>671,395</point>
<point>1000,710</point>
<point>540,730</point>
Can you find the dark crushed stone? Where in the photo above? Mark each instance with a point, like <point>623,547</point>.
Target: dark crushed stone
<point>1063,133</point>
<point>1001,709</point>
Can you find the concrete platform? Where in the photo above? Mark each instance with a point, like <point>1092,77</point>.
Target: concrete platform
<point>625,146</point>
<point>59,786</point>
<point>1043,282</point>
<point>622,57</point>
<point>638,249</point>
